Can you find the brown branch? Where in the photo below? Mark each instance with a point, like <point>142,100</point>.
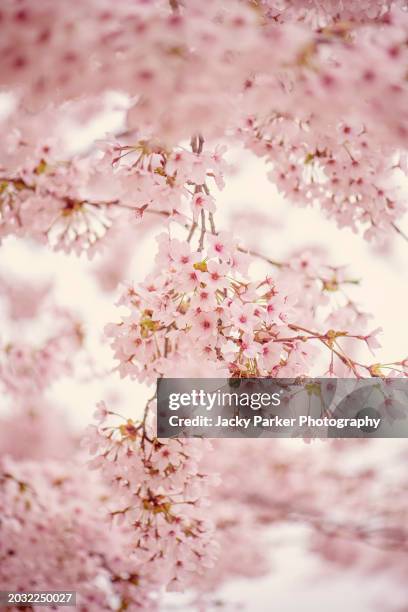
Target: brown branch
<point>273,262</point>
<point>212,224</point>
<point>203,232</point>
<point>400,232</point>
<point>191,232</point>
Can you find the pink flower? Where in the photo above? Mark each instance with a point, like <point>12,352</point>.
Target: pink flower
<point>201,202</point>
<point>216,275</point>
<point>101,413</point>
<point>204,325</point>
<point>189,279</point>
<point>269,355</point>
<point>372,341</point>
<point>220,246</point>
<point>243,316</point>
<point>181,254</point>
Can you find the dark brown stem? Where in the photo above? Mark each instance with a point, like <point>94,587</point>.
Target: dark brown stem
<point>203,232</point>
<point>191,232</point>
<point>400,232</point>
<point>212,224</point>
<point>197,143</point>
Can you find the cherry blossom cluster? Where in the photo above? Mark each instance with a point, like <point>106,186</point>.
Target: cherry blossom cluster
<point>26,368</point>
<point>347,512</point>
<point>52,534</point>
<point>294,68</point>
<point>144,517</point>
<point>323,12</point>
<point>317,89</point>
<point>46,203</point>
<point>160,494</point>
<point>356,181</point>
<point>132,43</point>
<point>198,313</point>
<point>58,203</point>
<point>72,205</point>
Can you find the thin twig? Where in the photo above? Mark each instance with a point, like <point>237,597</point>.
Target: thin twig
<point>203,231</point>
<point>212,224</point>
<point>197,143</point>
<point>400,232</point>
<point>273,262</point>
<point>192,230</point>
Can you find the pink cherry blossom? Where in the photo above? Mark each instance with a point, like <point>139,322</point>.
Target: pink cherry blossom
<point>318,91</point>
